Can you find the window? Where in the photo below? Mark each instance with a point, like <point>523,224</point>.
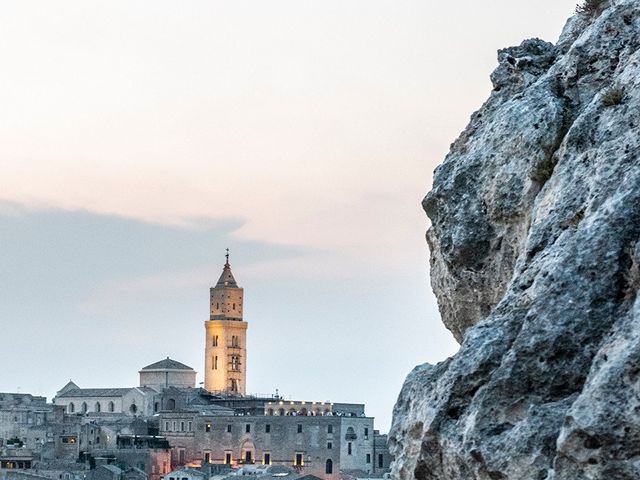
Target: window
<point>166,426</point>
<point>190,425</point>
<point>217,305</point>
<point>248,457</point>
<point>171,405</point>
<point>97,407</point>
<point>84,407</point>
<point>214,341</point>
<point>228,428</point>
<point>380,460</point>
<point>227,458</point>
<point>234,306</point>
<point>235,363</point>
<point>366,433</point>
<point>368,458</point>
<point>175,426</point>
<point>182,456</point>
<point>329,428</point>
<point>233,384</point>
<point>182,426</point>
<point>329,445</point>
<point>267,428</point>
<point>247,428</point>
<point>299,428</point>
<point>266,460</point>
<point>215,362</point>
<point>328,466</point>
<point>207,427</point>
<point>72,407</point>
<point>349,448</point>
<point>156,407</point>
<point>133,409</point>
<point>298,461</point>
<point>207,457</point>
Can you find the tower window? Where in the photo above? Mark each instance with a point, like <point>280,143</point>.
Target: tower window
<point>247,428</point>
<point>380,460</point>
<point>349,448</point>
<point>267,428</point>
<point>227,458</point>
<point>217,305</point>
<point>214,342</point>
<point>329,428</point>
<point>368,458</point>
<point>228,428</point>
<point>329,445</point>
<point>215,362</point>
<point>299,428</point>
<point>207,427</point>
<point>298,461</point>
<point>267,458</point>
<point>234,306</point>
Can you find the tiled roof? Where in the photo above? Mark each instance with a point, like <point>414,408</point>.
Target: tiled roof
<point>167,364</point>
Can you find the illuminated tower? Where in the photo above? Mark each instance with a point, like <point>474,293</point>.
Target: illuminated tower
<point>225,358</point>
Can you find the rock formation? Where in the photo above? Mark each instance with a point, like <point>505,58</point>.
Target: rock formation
<point>535,264</point>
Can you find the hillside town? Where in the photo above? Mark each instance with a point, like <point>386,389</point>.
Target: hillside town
<point>169,428</point>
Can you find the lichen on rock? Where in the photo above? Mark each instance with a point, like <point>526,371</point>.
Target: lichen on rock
<point>535,218</point>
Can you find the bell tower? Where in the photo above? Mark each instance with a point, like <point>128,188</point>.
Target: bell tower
<point>225,358</point>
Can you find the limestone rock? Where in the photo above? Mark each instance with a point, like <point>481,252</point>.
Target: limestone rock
<point>535,264</point>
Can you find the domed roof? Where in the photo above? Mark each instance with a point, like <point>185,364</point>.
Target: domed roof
<point>167,364</point>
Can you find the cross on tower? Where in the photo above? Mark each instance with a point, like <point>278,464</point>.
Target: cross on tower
<point>227,257</point>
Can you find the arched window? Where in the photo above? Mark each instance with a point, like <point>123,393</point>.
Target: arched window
<point>84,407</point>
<point>328,466</point>
<point>235,363</point>
<point>133,409</point>
<point>234,306</point>
<point>156,407</point>
<point>215,362</point>
<point>234,385</point>
<point>303,412</point>
<point>97,408</point>
<point>270,412</point>
<point>217,305</point>
<point>111,407</point>
<point>72,407</point>
<point>281,412</point>
<point>171,404</point>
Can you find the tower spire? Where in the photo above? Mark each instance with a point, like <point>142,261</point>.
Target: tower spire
<point>227,257</point>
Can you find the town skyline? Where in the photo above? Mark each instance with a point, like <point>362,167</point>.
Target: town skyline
<point>138,144</point>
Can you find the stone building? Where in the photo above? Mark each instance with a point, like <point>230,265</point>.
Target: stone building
<point>225,357</point>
